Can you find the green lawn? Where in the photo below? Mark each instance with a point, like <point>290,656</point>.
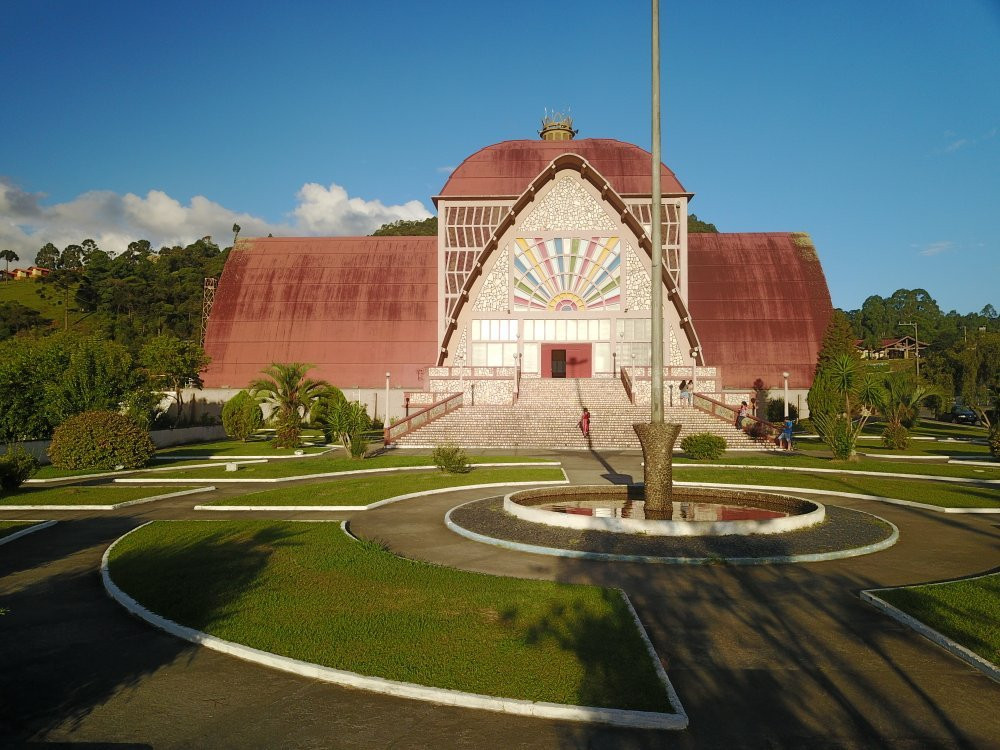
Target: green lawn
<point>12,527</point>
<point>965,611</point>
<point>309,592</point>
<point>799,460</point>
<point>259,446</point>
<point>323,465</point>
<point>100,495</point>
<point>365,490</point>
<point>931,448</point>
<point>933,428</point>
<point>52,472</point>
<point>918,490</point>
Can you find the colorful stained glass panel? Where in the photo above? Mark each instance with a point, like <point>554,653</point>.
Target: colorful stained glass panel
<point>567,274</point>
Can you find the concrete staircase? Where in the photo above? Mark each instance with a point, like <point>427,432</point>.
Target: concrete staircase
<point>546,416</point>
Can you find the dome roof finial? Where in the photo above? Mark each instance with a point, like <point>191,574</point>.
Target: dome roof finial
<point>557,126</point>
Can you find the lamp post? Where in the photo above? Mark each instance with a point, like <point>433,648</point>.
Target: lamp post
<point>785,376</point>
<point>387,399</point>
<point>916,345</point>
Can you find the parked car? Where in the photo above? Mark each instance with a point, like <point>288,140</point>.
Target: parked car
<point>964,415</point>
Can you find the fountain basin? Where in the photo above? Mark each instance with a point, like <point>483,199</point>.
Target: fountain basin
<point>597,508</point>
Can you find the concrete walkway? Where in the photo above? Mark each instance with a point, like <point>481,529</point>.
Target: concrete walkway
<point>783,656</point>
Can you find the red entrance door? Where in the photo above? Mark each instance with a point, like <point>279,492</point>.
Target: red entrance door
<point>567,360</point>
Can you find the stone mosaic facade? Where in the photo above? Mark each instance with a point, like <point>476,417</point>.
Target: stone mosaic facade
<point>638,288</point>
<point>568,207</point>
<point>674,356</point>
<point>494,294</point>
<point>462,347</point>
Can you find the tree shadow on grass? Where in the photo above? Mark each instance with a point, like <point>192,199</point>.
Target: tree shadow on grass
<point>67,648</point>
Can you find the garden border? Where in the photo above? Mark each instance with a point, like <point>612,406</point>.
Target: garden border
<point>852,472</point>
<point>444,696</point>
<point>971,658</point>
<point>38,526</point>
<point>127,503</point>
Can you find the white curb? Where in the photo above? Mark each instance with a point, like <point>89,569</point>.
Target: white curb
<point>835,493</point>
<point>808,470</point>
<point>84,477</point>
<point>126,504</point>
<point>534,549</point>
<point>614,717</point>
<point>324,475</point>
<point>378,503</point>
<point>971,658</point>
<point>39,525</point>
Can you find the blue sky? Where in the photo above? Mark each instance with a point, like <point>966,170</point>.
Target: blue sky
<point>871,125</point>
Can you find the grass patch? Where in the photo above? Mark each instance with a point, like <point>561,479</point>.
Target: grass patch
<point>100,495</point>
<point>309,592</point>
<point>257,446</point>
<point>799,460</point>
<point>965,611</point>
<point>321,465</point>
<point>920,491</point>
<point>12,527</point>
<point>365,490</point>
<point>932,428</point>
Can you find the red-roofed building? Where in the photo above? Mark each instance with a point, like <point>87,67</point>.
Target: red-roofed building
<point>541,266</point>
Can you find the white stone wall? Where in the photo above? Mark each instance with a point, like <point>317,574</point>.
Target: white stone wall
<point>494,295</point>
<point>638,289</point>
<point>568,207</point>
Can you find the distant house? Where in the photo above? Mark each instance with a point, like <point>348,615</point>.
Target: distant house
<point>31,272</point>
<point>904,347</point>
<point>36,272</point>
<point>20,273</point>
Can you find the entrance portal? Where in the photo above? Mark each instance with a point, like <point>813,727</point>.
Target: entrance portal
<point>566,361</point>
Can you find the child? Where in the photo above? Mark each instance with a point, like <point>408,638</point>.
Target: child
<point>584,423</point>
<point>786,434</point>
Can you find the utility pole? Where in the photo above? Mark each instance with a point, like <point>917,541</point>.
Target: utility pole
<point>656,298</point>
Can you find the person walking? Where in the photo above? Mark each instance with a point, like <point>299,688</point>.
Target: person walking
<point>741,415</point>
<point>584,423</point>
<point>685,392</point>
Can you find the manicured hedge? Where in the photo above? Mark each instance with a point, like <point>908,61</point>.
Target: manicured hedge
<point>100,440</point>
<point>704,446</point>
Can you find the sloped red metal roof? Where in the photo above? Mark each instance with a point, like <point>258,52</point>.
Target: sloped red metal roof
<point>760,304</point>
<point>355,307</point>
<point>506,169</point>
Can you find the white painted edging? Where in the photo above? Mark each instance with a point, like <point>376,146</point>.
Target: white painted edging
<point>834,493</point>
<point>39,525</point>
<point>614,717</point>
<point>973,462</point>
<point>807,470</point>
<point>971,658</point>
<point>126,504</point>
<point>612,557</point>
<point>82,477</point>
<point>379,503</point>
<point>324,475</point>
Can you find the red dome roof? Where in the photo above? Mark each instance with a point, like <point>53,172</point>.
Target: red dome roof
<point>506,169</point>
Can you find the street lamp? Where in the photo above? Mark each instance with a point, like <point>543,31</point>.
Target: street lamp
<point>387,399</point>
<point>916,344</point>
<point>785,376</point>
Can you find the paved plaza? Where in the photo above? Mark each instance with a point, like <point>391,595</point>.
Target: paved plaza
<point>761,656</point>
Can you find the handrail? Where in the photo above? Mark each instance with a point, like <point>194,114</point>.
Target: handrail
<point>724,411</point>
<point>418,419</point>
<point>627,384</point>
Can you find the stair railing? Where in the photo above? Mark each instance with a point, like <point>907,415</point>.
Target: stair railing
<point>418,419</point>
<point>627,384</point>
<point>757,429</point>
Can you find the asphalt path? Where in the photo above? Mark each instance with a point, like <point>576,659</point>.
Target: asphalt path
<point>781,656</point>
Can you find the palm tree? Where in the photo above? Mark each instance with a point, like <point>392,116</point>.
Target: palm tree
<point>8,255</point>
<point>899,401</point>
<point>847,378</point>
<point>290,394</point>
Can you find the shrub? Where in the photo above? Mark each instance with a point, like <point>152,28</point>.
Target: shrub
<point>450,458</point>
<point>357,445</point>
<point>241,416</point>
<point>287,430</point>
<point>995,440</point>
<point>776,410</point>
<point>896,437</point>
<point>16,466</point>
<point>759,430</point>
<point>838,433</point>
<point>100,440</point>
<point>704,446</point>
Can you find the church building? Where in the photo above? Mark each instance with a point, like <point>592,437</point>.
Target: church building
<point>541,269</point>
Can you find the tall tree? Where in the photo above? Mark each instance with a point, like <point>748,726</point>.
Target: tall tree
<point>404,228</point>
<point>48,256</point>
<point>174,364</point>
<point>697,226</point>
<point>8,256</point>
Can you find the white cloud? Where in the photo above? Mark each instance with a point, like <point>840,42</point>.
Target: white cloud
<point>936,248</point>
<point>954,143</point>
<point>113,220</point>
<point>445,170</point>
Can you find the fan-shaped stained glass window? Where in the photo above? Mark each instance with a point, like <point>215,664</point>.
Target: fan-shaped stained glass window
<point>567,275</point>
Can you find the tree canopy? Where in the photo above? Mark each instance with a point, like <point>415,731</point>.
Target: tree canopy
<point>404,228</point>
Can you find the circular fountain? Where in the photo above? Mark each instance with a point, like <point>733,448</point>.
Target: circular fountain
<point>693,512</point>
